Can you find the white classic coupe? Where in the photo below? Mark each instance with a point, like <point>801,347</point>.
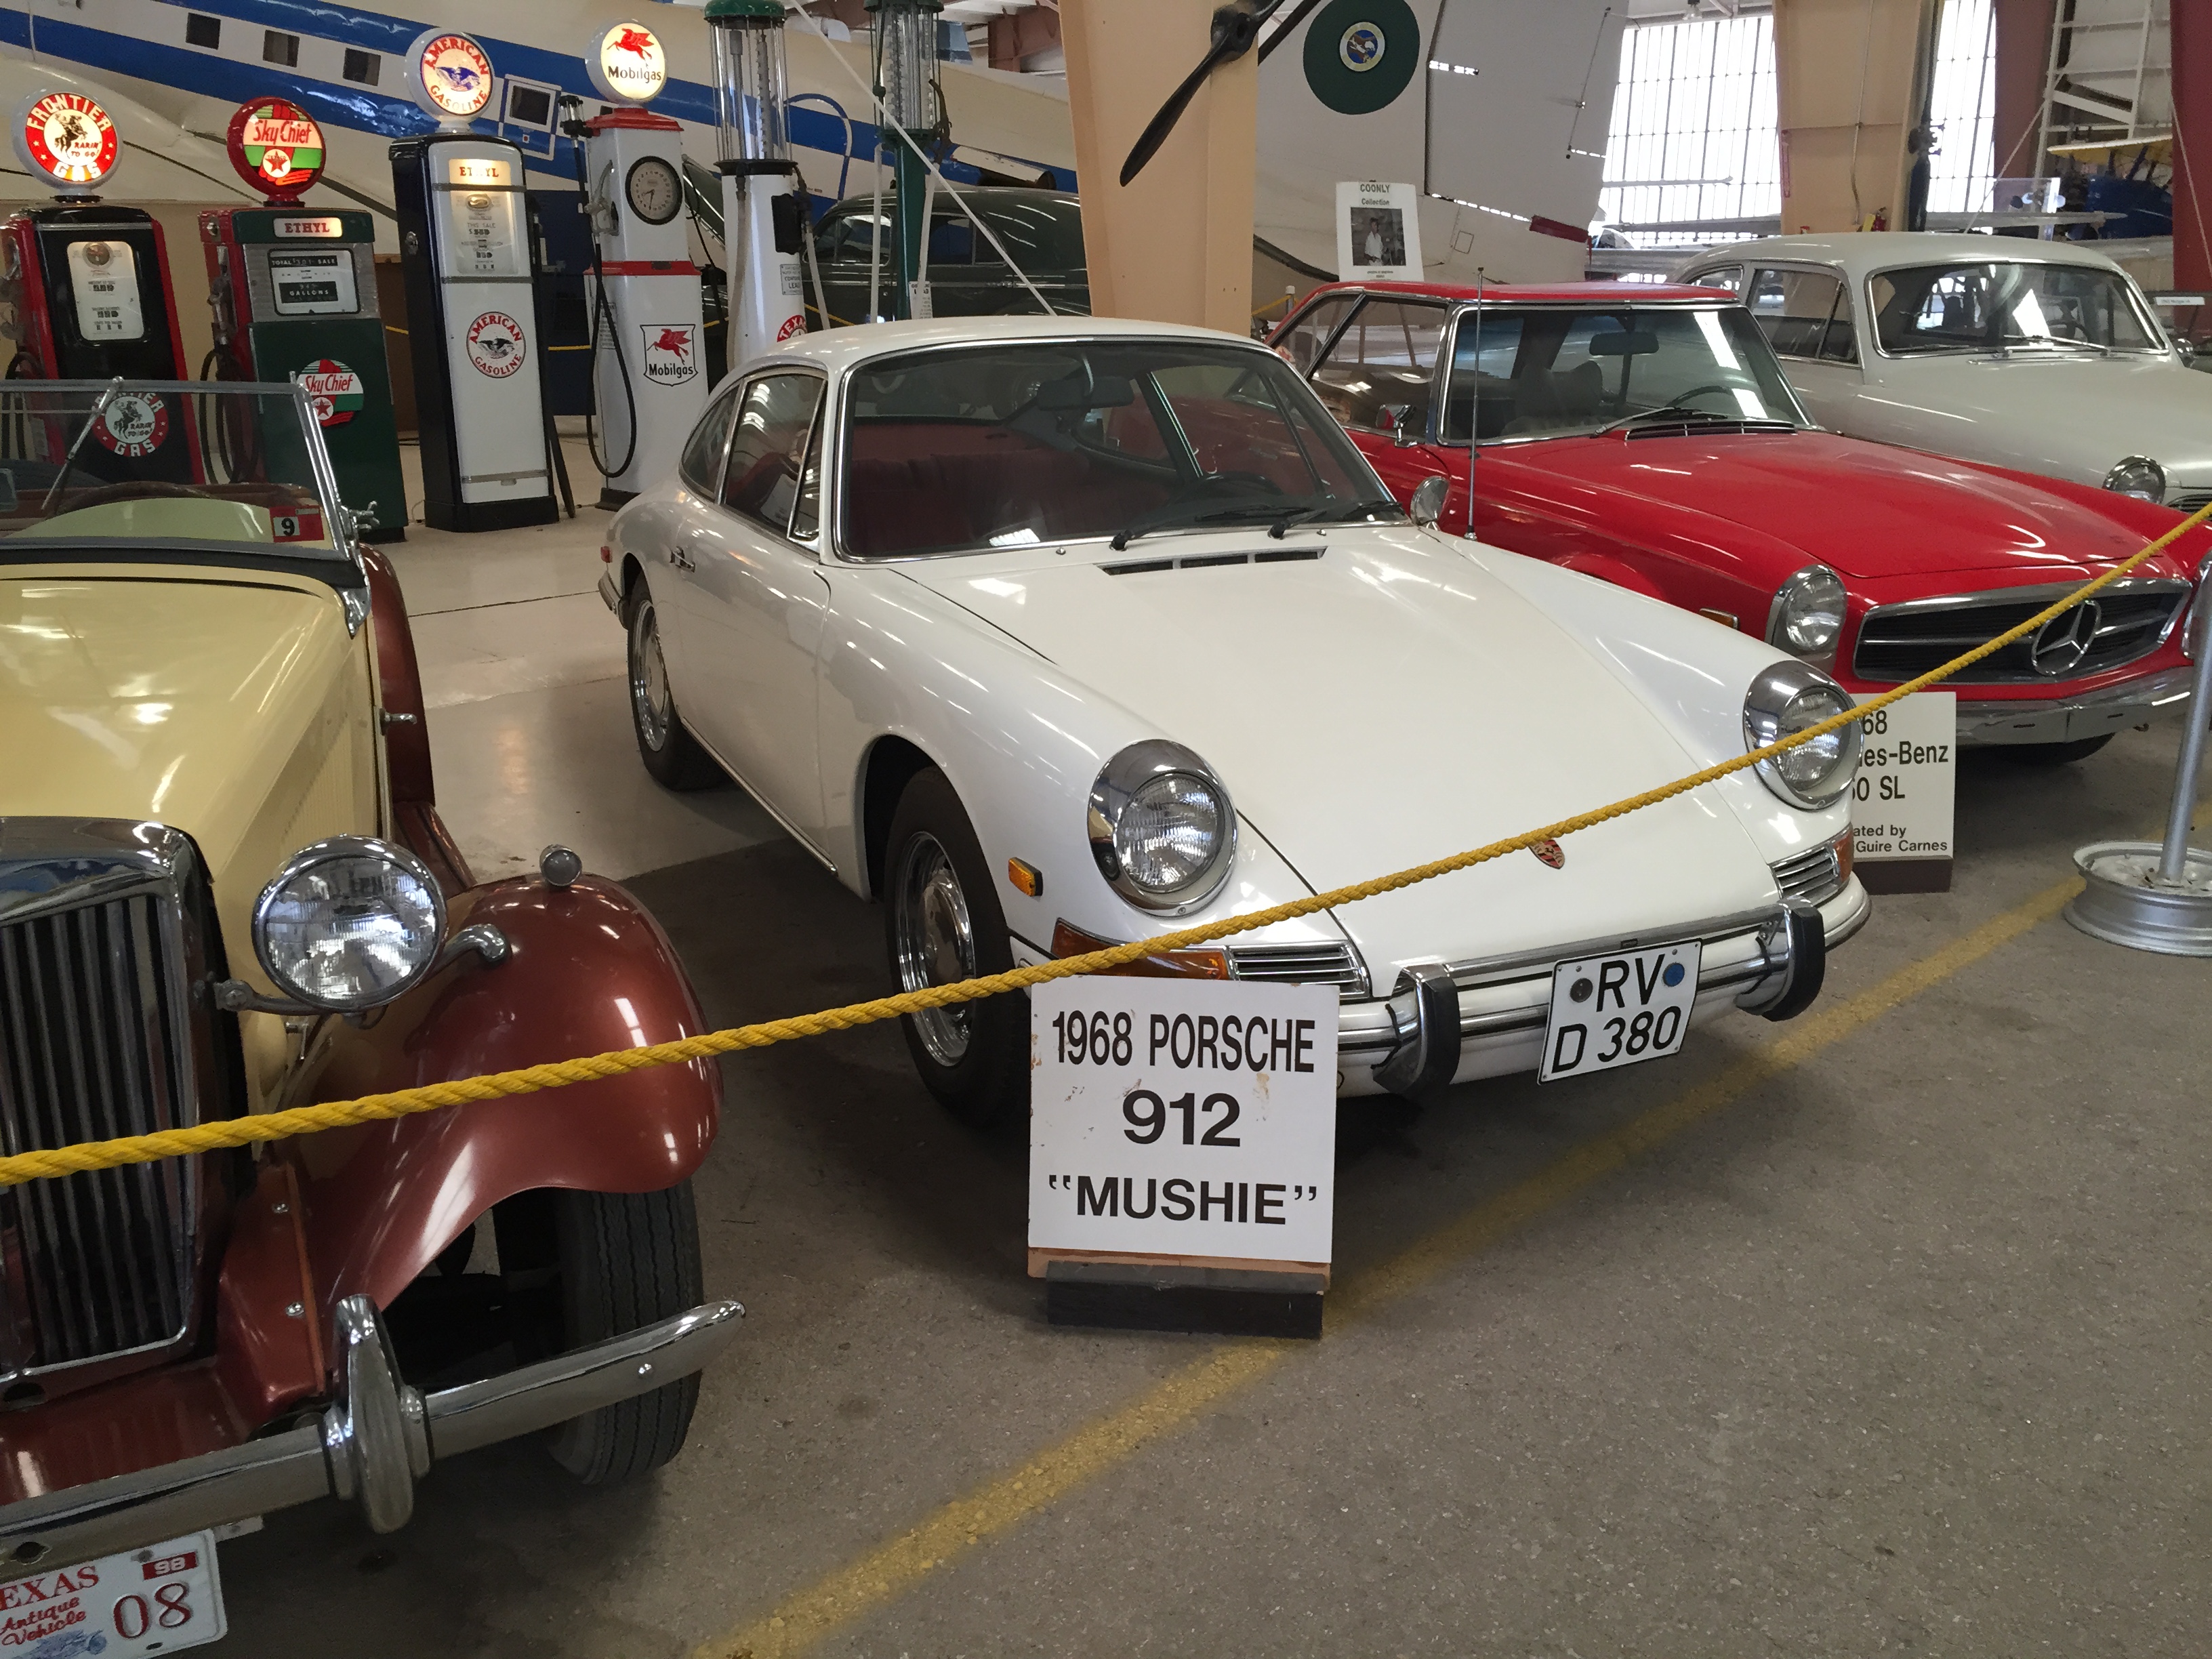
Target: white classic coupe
<point>2041,356</point>
<point>1057,632</point>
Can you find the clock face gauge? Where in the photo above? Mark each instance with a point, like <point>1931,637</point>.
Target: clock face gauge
<point>655,192</point>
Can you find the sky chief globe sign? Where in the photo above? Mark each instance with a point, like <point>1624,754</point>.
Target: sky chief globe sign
<point>65,139</point>
<point>276,146</point>
<point>627,64</point>
<point>450,76</point>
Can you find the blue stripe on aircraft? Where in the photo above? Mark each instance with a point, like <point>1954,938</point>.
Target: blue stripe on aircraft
<point>364,110</point>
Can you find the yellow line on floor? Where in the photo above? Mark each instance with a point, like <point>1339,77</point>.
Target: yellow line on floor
<point>858,1588</point>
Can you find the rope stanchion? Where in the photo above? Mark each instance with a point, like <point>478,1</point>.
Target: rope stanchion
<point>532,1080</point>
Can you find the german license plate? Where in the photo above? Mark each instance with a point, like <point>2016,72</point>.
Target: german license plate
<point>1611,1012</point>
<point>156,1600</point>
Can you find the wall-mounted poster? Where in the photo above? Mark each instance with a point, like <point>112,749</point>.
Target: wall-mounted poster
<point>1378,233</point>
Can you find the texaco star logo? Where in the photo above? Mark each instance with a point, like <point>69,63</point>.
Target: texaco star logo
<point>2061,644</point>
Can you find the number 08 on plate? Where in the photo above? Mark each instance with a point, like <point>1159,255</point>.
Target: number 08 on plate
<point>1616,1011</point>
<point>155,1599</point>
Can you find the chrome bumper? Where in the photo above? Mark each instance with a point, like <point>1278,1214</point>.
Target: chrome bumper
<point>609,593</point>
<point>2069,719</point>
<point>371,1446</point>
<point>1761,960</point>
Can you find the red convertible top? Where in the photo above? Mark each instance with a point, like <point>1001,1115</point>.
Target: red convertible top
<point>1546,293</point>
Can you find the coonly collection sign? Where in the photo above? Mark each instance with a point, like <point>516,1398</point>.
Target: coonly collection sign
<point>1190,1123</point>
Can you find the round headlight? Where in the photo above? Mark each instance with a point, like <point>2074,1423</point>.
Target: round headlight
<point>1806,618</point>
<point>1161,827</point>
<point>2138,476</point>
<point>350,923</point>
<point>1783,701</point>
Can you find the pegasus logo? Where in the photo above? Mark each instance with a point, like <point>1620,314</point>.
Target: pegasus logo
<point>675,341</point>
<point>636,42</point>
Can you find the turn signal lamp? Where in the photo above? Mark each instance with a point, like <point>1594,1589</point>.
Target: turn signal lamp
<point>1204,962</point>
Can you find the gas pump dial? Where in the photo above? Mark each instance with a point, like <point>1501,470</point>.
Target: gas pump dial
<point>655,193</point>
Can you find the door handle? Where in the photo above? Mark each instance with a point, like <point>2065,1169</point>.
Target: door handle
<point>680,559</point>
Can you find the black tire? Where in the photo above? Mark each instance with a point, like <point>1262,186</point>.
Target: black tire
<point>627,1260</point>
<point>670,754</point>
<point>973,1057</point>
<point>2054,754</point>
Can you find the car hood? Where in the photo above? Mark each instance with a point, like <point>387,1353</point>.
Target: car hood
<point>229,709</point>
<point>1390,702</point>
<point>2071,413</point>
<point>1866,510</point>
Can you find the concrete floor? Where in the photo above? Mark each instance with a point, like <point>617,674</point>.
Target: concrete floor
<point>1882,1331</point>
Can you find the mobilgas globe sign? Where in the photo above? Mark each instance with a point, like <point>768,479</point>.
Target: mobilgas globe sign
<point>627,64</point>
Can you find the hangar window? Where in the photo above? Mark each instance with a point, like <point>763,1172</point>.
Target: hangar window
<point>1804,314</point>
<point>1386,356</point>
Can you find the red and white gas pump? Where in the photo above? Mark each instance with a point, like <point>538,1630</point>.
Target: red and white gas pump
<point>648,379</point>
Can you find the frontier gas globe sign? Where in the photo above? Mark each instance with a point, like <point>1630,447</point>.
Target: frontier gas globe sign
<point>627,64</point>
<point>450,76</point>
<point>67,140</point>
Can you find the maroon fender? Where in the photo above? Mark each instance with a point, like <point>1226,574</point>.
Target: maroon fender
<point>589,970</point>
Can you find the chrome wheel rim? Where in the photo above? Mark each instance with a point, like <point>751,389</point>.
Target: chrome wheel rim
<point>649,700</point>
<point>934,942</point>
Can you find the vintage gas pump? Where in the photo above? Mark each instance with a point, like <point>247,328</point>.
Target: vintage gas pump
<point>294,293</point>
<point>764,224</point>
<point>88,287</point>
<point>648,327</point>
<point>471,266</point>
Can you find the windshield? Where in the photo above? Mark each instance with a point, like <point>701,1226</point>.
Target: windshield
<point>1553,372</point>
<point>1018,445</point>
<point>163,463</point>
<point>2002,303</point>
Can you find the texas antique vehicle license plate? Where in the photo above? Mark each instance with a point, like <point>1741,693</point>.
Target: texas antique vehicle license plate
<point>145,1601</point>
<point>1611,1012</point>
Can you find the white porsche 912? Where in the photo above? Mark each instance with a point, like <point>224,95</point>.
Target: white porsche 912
<point>1052,633</point>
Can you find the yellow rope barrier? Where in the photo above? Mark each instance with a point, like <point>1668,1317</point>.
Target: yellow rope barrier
<point>369,1109</point>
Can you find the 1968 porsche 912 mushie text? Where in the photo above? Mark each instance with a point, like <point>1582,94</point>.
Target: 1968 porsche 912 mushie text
<point>225,889</point>
<point>1056,632</point>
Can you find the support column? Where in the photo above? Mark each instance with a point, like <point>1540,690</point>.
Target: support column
<point>1176,245</point>
<point>2192,158</point>
<point>2023,52</point>
<point>1851,93</point>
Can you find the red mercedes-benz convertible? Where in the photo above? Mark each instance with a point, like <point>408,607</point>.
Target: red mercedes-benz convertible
<point>1646,436</point>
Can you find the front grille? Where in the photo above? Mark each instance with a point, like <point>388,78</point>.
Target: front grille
<point>2190,500</point>
<point>1815,875</point>
<point>1300,964</point>
<point>2124,624</point>
<point>95,1042</point>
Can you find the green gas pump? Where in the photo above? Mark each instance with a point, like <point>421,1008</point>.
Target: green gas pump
<point>294,293</point>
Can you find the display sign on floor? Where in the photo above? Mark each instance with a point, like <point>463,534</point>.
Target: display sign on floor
<point>1378,233</point>
<point>1903,800</point>
<point>1183,1125</point>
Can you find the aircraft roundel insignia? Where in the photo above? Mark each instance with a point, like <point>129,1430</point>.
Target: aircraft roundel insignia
<point>1361,54</point>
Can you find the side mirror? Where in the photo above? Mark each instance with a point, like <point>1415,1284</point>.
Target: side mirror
<point>1404,429</point>
<point>1426,504</point>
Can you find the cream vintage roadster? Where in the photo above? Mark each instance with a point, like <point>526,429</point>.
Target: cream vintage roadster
<point>225,889</point>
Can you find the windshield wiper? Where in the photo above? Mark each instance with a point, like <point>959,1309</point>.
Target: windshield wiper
<point>1673,411</point>
<point>1332,512</point>
<point>1243,513</point>
<point>2006,350</point>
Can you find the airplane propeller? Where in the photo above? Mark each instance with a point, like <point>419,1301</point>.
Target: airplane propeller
<point>1236,27</point>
